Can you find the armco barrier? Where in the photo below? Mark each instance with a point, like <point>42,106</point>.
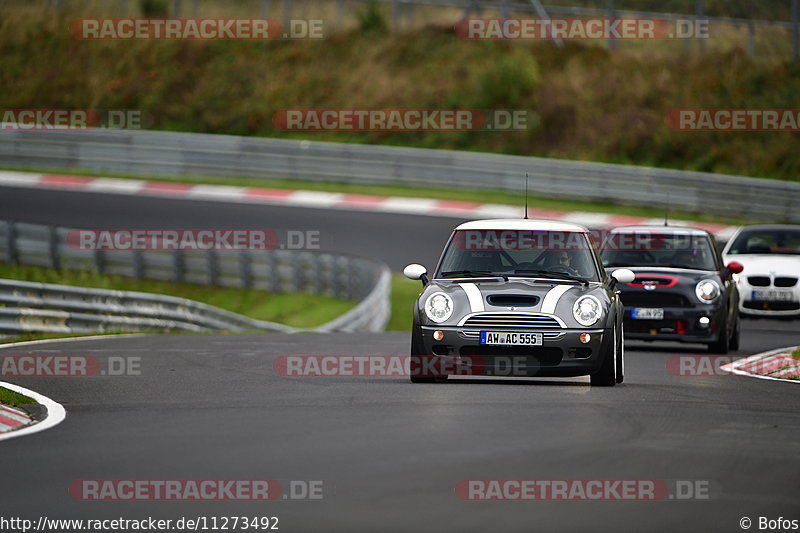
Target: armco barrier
<point>158,153</point>
<point>58,308</point>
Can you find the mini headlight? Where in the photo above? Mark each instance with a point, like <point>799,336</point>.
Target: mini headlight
<point>587,310</point>
<point>438,307</point>
<point>707,291</point>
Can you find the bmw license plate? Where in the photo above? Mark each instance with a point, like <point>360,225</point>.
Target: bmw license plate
<point>771,295</point>
<point>647,313</point>
<point>511,338</point>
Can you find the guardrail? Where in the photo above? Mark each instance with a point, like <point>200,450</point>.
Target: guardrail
<point>149,153</point>
<point>59,308</point>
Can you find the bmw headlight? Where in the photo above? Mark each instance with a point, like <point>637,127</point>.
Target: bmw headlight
<point>587,310</point>
<point>438,307</point>
<point>707,291</point>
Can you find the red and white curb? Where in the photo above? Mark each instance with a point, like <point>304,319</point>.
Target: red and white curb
<point>328,200</point>
<point>776,365</point>
<point>12,418</point>
<point>55,414</point>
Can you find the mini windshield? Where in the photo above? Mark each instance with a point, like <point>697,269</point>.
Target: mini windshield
<point>520,253</point>
<point>648,249</point>
<point>784,241</point>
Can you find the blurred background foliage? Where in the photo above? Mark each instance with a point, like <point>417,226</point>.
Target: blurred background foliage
<point>584,101</point>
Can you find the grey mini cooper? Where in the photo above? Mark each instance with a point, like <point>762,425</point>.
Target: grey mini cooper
<point>518,297</point>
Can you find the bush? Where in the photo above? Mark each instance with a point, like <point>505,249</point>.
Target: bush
<point>371,20</point>
<point>154,8</point>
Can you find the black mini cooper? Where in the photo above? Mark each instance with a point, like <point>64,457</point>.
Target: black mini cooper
<point>682,291</point>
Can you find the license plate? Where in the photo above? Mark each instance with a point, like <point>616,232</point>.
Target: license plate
<point>511,338</point>
<point>775,296</point>
<point>647,313</point>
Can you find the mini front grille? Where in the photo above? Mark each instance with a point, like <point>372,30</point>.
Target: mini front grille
<point>654,299</point>
<point>758,281</point>
<point>658,281</point>
<point>511,321</point>
<point>785,282</point>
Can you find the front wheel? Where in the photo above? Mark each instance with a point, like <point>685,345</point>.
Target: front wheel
<point>621,355</point>
<point>608,374</point>
<point>721,345</point>
<point>734,344</point>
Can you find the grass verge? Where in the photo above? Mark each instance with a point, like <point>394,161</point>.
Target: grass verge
<point>299,310</point>
<point>14,399</point>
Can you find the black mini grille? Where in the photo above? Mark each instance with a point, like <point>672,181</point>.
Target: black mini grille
<point>759,281</point>
<point>654,299</point>
<point>785,282</point>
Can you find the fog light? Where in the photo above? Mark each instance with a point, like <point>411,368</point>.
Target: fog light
<point>585,337</point>
<point>438,335</point>
<point>704,321</point>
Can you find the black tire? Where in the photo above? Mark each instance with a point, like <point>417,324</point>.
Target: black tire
<point>722,344</point>
<point>607,376</point>
<point>621,355</point>
<point>737,333</point>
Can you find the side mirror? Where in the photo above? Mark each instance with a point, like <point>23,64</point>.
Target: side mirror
<point>623,275</point>
<point>735,267</point>
<point>415,271</point>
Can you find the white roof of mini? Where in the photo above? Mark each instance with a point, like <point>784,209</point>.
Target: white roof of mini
<point>661,230</point>
<point>520,224</point>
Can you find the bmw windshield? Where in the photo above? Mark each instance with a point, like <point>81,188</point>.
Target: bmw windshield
<point>519,253</point>
<point>784,241</point>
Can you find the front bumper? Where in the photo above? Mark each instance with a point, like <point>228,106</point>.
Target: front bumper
<point>775,308</point>
<point>561,354</point>
<point>681,324</point>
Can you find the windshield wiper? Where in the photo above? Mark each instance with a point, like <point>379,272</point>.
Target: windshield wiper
<point>474,274</point>
<point>553,275</point>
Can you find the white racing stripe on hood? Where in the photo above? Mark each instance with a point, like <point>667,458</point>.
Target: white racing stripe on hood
<point>551,298</point>
<point>475,297</point>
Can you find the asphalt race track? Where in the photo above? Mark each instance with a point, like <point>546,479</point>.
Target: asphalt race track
<point>395,239</point>
<point>390,453</point>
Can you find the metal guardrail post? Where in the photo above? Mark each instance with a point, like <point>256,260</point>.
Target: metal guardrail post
<point>245,269</point>
<point>138,264</point>
<point>11,243</point>
<point>213,267</point>
<point>264,9</point>
<point>55,260</point>
<point>176,8</point>
<point>178,266</point>
<point>100,261</point>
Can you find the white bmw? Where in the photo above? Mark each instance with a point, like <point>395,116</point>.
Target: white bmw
<point>771,257</point>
